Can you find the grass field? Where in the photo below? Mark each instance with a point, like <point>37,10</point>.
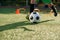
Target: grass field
<point>16,27</point>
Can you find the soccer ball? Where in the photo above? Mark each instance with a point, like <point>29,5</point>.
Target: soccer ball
<point>34,17</point>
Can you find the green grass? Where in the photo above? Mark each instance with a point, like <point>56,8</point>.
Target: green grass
<point>16,27</point>
<point>7,10</point>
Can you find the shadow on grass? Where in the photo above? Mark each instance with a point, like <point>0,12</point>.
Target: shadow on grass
<point>20,24</point>
<point>15,25</point>
<point>46,21</point>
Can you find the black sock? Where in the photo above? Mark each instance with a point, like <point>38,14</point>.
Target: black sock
<point>31,7</point>
<point>54,10</point>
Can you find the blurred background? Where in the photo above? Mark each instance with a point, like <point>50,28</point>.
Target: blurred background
<point>22,3</point>
<point>25,4</point>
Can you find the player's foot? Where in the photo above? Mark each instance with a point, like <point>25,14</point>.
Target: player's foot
<point>55,14</point>
<point>27,17</point>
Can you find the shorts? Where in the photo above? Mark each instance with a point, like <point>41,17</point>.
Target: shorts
<point>47,1</point>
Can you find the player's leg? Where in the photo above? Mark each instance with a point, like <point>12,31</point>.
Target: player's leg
<point>54,9</point>
<point>50,5</point>
<point>31,7</point>
<point>33,4</point>
<point>31,10</point>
